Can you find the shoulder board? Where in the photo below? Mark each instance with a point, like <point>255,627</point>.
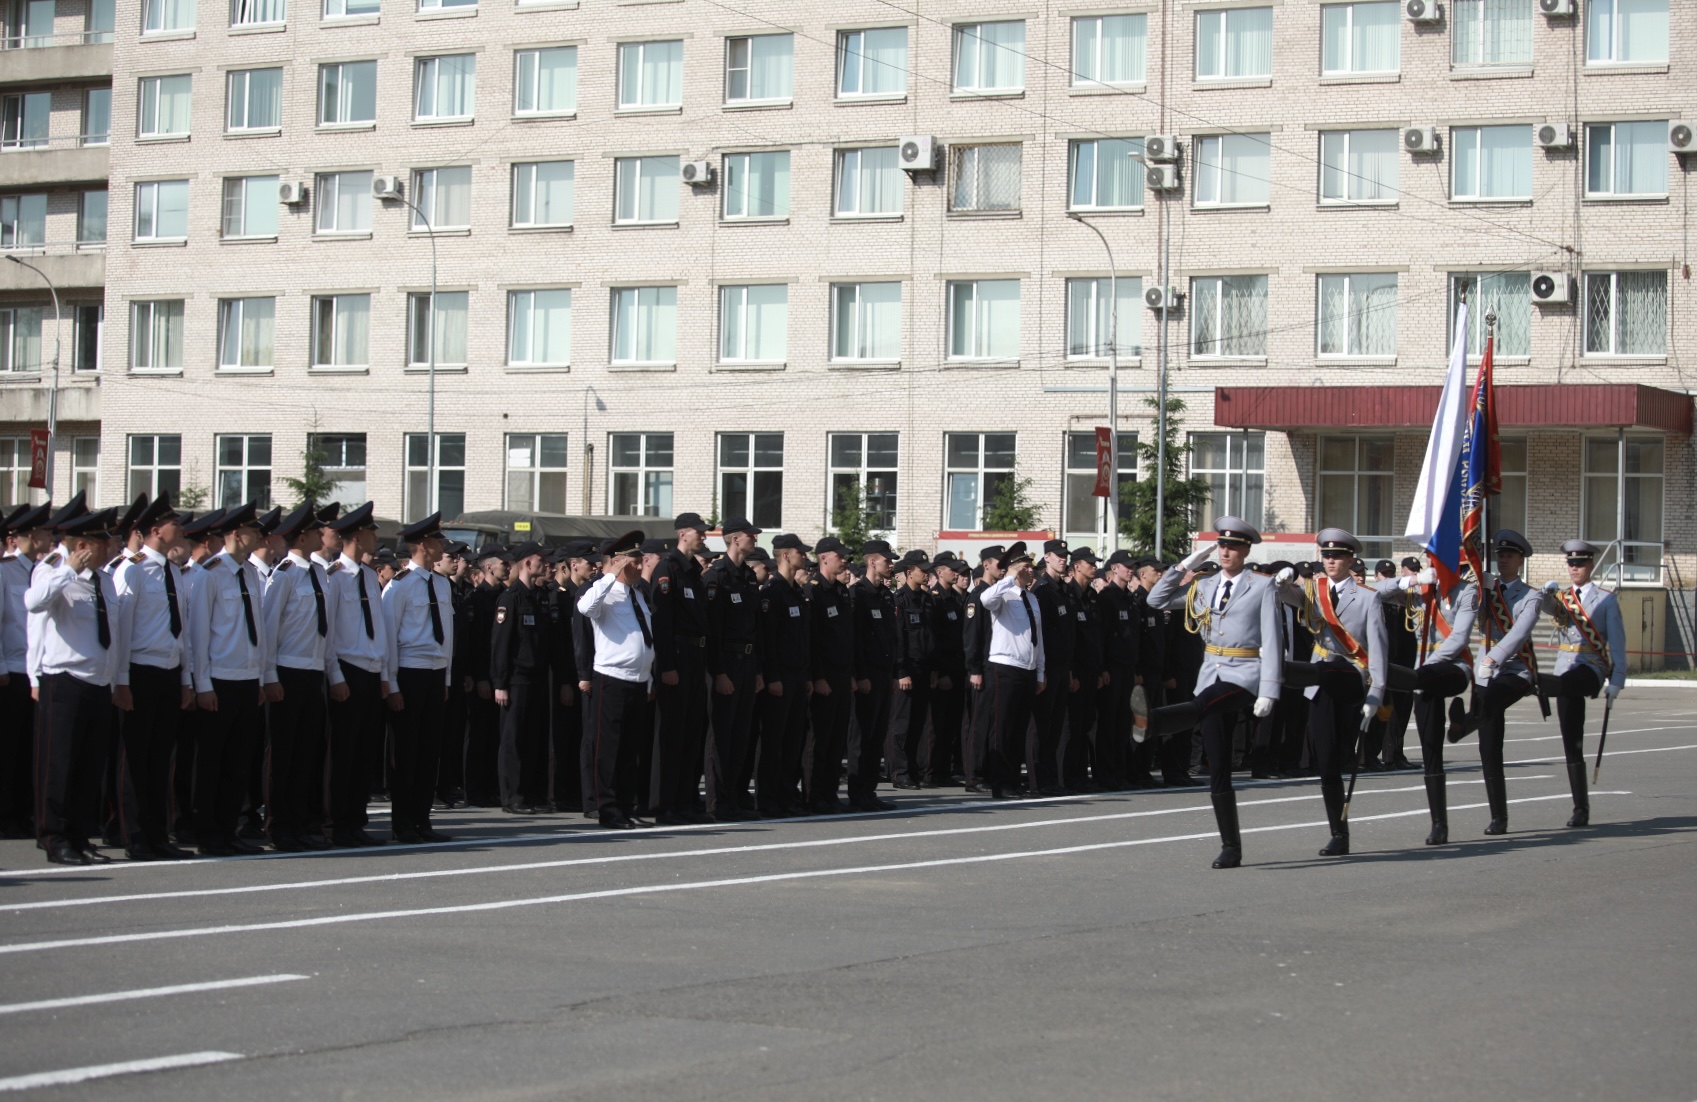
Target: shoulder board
<point>138,559</point>
<point>113,565</point>
<point>401,572</point>
<point>210,563</point>
<point>7,558</point>
<point>52,560</point>
<point>333,567</point>
<point>284,565</point>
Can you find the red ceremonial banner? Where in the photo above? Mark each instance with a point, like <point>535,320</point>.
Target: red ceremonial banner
<point>38,444</point>
<point>1104,460</point>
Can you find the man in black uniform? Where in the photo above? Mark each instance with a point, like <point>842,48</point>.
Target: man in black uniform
<point>450,766</point>
<point>565,723</point>
<point>874,675</point>
<point>1121,630</point>
<point>784,635</point>
<point>1049,709</point>
<point>679,599</point>
<point>1388,736</point>
<point>732,615</point>
<point>915,647</point>
<point>483,747</point>
<point>976,643</point>
<point>948,697</point>
<point>830,658</point>
<point>522,653</point>
<point>1077,749</point>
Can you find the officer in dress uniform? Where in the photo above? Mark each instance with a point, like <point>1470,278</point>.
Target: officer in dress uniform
<point>679,598</point>
<point>1014,668</point>
<point>1236,613</point>
<point>419,617</point>
<point>975,640</point>
<point>874,675</point>
<point>948,697</point>
<point>616,611</point>
<point>203,538</point>
<point>117,803</point>
<point>910,704</point>
<point>27,539</point>
<point>523,652</point>
<point>1049,709</point>
<point>785,633</point>
<point>733,600</point>
<point>361,653</point>
<point>1088,672</point>
<point>1591,658</point>
<point>830,658</point>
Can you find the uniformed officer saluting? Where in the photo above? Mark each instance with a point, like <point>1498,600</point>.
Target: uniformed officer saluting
<point>1014,669</point>
<point>524,648</point>
<point>420,620</point>
<point>617,612</point>
<point>1591,658</point>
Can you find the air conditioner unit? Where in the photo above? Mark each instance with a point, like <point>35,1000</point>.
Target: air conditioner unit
<point>1161,177</point>
<point>1420,139</point>
<point>1157,297</point>
<point>1425,11</point>
<point>918,153</point>
<point>1553,135</point>
<point>1160,148</point>
<point>697,173</point>
<point>385,187</point>
<point>1556,8</point>
<point>291,194</point>
<point>1682,137</point>
<point>1552,288</point>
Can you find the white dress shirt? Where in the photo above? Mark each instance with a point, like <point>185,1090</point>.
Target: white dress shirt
<point>353,645</point>
<point>411,636</point>
<point>292,601</point>
<point>622,648</point>
<point>1016,637</point>
<point>144,616</point>
<point>14,621</point>
<point>68,606</point>
<point>220,642</point>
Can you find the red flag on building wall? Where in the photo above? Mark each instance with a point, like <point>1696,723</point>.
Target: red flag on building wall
<point>1104,461</point>
<point>38,444</point>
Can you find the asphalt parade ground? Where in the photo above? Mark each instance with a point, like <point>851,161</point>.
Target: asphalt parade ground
<point>1068,948</point>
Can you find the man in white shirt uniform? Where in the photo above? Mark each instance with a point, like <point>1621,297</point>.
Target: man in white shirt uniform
<point>361,651</point>
<point>418,611</point>
<point>1015,670</point>
<point>624,662</point>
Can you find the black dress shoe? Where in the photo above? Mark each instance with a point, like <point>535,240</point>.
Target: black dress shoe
<point>619,823</point>
<point>183,836</point>
<point>1581,817</point>
<point>216,849</point>
<point>95,857</point>
<point>62,852</point>
<point>243,846</point>
<point>406,837</point>
<point>1230,857</point>
<point>1497,826</point>
<point>315,841</point>
<point>1337,847</point>
<point>978,790</point>
<point>430,834</point>
<point>1440,835</point>
<point>169,852</point>
<point>141,851</point>
<point>287,843</point>
<point>907,786</point>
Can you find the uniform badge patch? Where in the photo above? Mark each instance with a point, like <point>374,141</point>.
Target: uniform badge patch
<point>970,609</point>
<point>765,604</point>
<point>500,615</point>
<point>665,585</point>
<point>712,590</point>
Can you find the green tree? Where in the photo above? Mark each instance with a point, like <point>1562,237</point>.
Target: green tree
<point>191,495</point>
<point>1184,498</point>
<point>314,485</point>
<point>851,520</point>
<point>1011,509</point>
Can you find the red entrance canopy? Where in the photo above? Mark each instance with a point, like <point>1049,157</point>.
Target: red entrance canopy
<point>1582,406</point>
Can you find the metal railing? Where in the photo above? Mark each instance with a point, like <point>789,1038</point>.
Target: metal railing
<point>20,41</point>
<point>62,141</point>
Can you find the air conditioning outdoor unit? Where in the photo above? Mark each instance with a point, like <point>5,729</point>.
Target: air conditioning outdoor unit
<point>1157,297</point>
<point>1161,177</point>
<point>918,153</point>
<point>1424,11</point>
<point>1420,139</point>
<point>291,194</point>
<point>697,173</point>
<point>1160,148</point>
<point>1553,135</point>
<point>1552,288</point>
<point>1555,8</point>
<point>385,187</point>
<point>1682,137</point>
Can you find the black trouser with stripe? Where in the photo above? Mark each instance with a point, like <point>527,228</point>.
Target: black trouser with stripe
<point>1436,681</point>
<point>617,708</point>
<point>524,741</point>
<point>908,711</point>
<point>682,733</point>
<point>1010,692</point>
<point>866,740</point>
<point>415,749</point>
<point>728,741</point>
<point>70,757</point>
<point>294,774</point>
<point>150,734</point>
<point>355,725</point>
<point>828,740</point>
<point>1578,684</point>
<point>783,737</point>
<point>1496,698</point>
<point>17,755</point>
<point>1219,706</point>
<point>226,742</point>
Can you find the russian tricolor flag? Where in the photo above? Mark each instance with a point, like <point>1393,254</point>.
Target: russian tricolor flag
<point>1434,521</point>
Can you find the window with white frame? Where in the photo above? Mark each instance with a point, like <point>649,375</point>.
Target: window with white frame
<point>1109,49</point>
<point>1234,44</point>
<point>984,319</point>
<point>1234,464</point>
<point>255,100</point>
<point>1356,476</point>
<point>1085,517</point>
<point>866,322</point>
<point>645,190</point>
<point>23,221</point>
<point>1626,158</point>
<point>162,107</point>
<point>246,332</point>
<point>20,338</point>
<point>869,182</point>
<point>1106,174</point>
<point>1491,162</point>
<point>445,87</point>
<point>543,193</point>
<point>984,177</point>
<point>348,9</point>
<point>1509,294</point>
<point>444,194</point>
<point>343,200</point>
<point>645,325</point>
<point>1508,509</point>
<point>1091,317</point>
<point>156,335</point>
<point>448,495</point>
<point>976,465</point>
<point>446,321</point>
<point>651,75</point>
<point>28,24</point>
<point>1228,316</point>
<point>545,81</point>
<point>341,456</point>
<point>640,474</point>
<point>341,331</point>
<point>15,467</point>
<point>1604,507</point>
<point>1490,32</point>
<point>757,185</point>
<point>24,118</point>
<point>990,57</point>
<point>167,16</point>
<point>751,477</point>
<point>754,323</point>
<point>155,466</point>
<point>438,5</point>
<point>162,210</point>
<point>347,93</point>
<point>865,462</point>
<point>539,327</point>
<point>250,206</point>
<point>1357,314</point>
<point>244,471</point>
<point>89,336</point>
<point>536,472</point>
<point>1360,166</point>
<point>1626,32</point>
<point>85,466</point>
<point>1361,38</point>
<point>257,13</point>
<point>97,117</point>
<point>1626,313</point>
<point>759,68</point>
<point>100,21</point>
<point>872,62</point>
<point>1233,170</point>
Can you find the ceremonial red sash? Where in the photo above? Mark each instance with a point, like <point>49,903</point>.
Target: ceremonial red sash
<point>1353,650</point>
<point>1435,615</point>
<point>1570,601</point>
<point>1496,609</point>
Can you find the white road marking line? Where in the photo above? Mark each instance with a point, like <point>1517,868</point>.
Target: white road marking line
<point>145,993</point>
<point>662,889</point>
<point>106,1071</point>
<point>1616,754</point>
<point>1628,731</point>
<point>762,847</point>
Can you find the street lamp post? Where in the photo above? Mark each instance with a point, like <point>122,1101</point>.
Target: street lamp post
<point>1113,386</point>
<point>53,394</point>
<point>430,345</point>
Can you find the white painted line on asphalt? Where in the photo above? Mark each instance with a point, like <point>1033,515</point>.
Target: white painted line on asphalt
<point>145,993</point>
<point>1616,754</point>
<point>1628,731</point>
<point>663,889</point>
<point>106,1071</point>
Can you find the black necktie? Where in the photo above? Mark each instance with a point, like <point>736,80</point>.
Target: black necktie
<point>103,626</point>
<point>641,620</point>
<point>1225,594</point>
<point>435,612</point>
<point>1029,615</point>
<point>247,605</point>
<point>365,603</point>
<point>171,602</point>
<point>318,595</point>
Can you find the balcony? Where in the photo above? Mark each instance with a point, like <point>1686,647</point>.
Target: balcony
<point>67,270</point>
<point>55,59</point>
<point>41,162</point>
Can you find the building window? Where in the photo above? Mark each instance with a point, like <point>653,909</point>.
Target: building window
<point>156,466</point>
<point>341,331</point>
<point>1358,315</point>
<point>1110,49</point>
<point>1492,162</point>
<point>1508,510</point>
<point>1228,316</point>
<point>24,120</point>
<point>1234,44</point>
<point>244,471</point>
<point>651,75</point>
<point>341,456</point>
<point>14,471</point>
<point>436,5</point>
<point>250,206</point>
<point>1626,313</point>
<point>759,69</point>
<point>163,110</point>
<point>1604,506</point>
<point>448,495</point>
<point>1626,158</point>
<point>872,62</point>
<point>641,474</point>
<point>536,472</point>
<point>1360,38</point>
<point>156,335</point>
<point>1356,480</point>
<point>866,322</point>
<point>1107,174</point>
<point>90,336</point>
<point>645,324</point>
<point>162,210</point>
<point>1491,32</point>
<point>344,9</point>
<point>100,21</point>
<point>646,190</point>
<point>1359,166</point>
<point>23,221</point>
<point>250,13</point>
<point>1090,317</point>
<point>865,461</point>
<point>751,477</point>
<point>20,338</point>
<point>540,328</point>
<point>543,193</point>
<point>984,319</point>
<point>246,328</point>
<point>754,323</point>
<point>977,465</point>
<point>986,177</point>
<point>347,93</point>
<point>449,328</point>
<point>343,200</point>
<point>1233,170</point>
<point>255,100</point>
<point>990,57</point>
<point>97,116</point>
<point>545,81</point>
<point>445,195</point>
<point>869,181</point>
<point>445,87</point>
<point>757,185</point>
<point>1507,293</point>
<point>1086,519</point>
<point>1234,465</point>
<point>28,25</point>
<point>85,466</point>
<point>166,16</point>
<point>1626,32</point>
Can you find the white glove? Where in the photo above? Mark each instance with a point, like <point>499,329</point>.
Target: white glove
<point>1552,587</point>
<point>1368,711</point>
<point>1484,670</point>
<point>1263,707</point>
<point>1197,557</point>
<point>1611,690</point>
<point>1488,580</point>
<point>1427,576</point>
<point>1285,576</point>
<point>1407,582</point>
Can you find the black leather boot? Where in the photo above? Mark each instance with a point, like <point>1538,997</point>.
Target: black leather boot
<point>1172,719</point>
<point>1581,798</point>
<point>1437,798</point>
<point>1496,792</point>
<point>1462,721</point>
<point>1332,792</point>
<point>1231,842</point>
